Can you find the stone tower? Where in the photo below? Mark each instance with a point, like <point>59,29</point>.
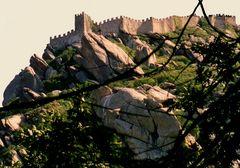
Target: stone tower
<point>82,23</point>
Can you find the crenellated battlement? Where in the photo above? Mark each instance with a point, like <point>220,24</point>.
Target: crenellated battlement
<point>69,33</point>
<point>82,24</point>
<point>129,25</point>
<point>221,20</point>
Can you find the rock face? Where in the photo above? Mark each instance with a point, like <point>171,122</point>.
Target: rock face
<point>9,125</point>
<point>186,50</point>
<point>138,115</point>
<point>142,51</point>
<point>25,79</point>
<point>102,58</point>
<point>39,65</point>
<point>48,55</point>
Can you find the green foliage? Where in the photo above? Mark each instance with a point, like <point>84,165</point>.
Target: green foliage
<point>58,82</point>
<point>64,58</point>
<point>73,138</point>
<point>204,25</point>
<point>130,52</point>
<point>67,54</point>
<point>179,72</point>
<point>211,104</point>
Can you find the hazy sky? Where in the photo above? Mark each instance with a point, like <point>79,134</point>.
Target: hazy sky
<point>26,25</point>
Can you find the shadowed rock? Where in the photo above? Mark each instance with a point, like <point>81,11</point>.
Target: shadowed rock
<point>102,58</point>
<point>147,128</point>
<point>142,49</point>
<point>39,65</point>
<point>48,55</point>
<point>25,79</point>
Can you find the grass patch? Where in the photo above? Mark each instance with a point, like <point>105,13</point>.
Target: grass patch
<point>130,52</point>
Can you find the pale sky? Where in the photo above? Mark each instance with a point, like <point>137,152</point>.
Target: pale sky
<point>26,25</point>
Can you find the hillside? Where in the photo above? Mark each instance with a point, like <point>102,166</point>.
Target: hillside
<point>111,96</point>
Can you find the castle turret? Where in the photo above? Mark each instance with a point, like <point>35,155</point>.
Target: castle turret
<point>82,23</point>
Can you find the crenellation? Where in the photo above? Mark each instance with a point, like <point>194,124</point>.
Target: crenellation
<point>135,26</point>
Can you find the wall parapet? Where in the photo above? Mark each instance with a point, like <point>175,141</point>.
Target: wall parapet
<point>135,26</point>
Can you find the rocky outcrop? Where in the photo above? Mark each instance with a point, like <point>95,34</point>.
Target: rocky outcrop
<point>185,49</point>
<point>98,58</point>
<point>39,65</point>
<point>142,49</point>
<point>25,79</point>
<point>139,115</point>
<point>7,126</point>
<point>48,55</point>
<point>102,58</point>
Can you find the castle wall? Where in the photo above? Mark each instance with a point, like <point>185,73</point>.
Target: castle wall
<point>163,25</point>
<point>180,21</point>
<point>194,21</point>
<point>231,20</point>
<point>110,26</point>
<point>150,25</point>
<point>220,21</point>
<point>145,26</point>
<point>61,41</point>
<point>83,23</point>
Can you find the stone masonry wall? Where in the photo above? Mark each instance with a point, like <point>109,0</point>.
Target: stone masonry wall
<point>151,25</point>
<point>60,41</point>
<point>110,26</point>
<point>220,21</point>
<point>82,24</point>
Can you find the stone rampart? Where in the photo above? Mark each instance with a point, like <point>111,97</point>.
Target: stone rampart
<point>83,23</point>
<point>133,26</point>
<point>221,21</point>
<point>110,25</point>
<point>150,25</point>
<point>60,41</point>
<point>153,25</point>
